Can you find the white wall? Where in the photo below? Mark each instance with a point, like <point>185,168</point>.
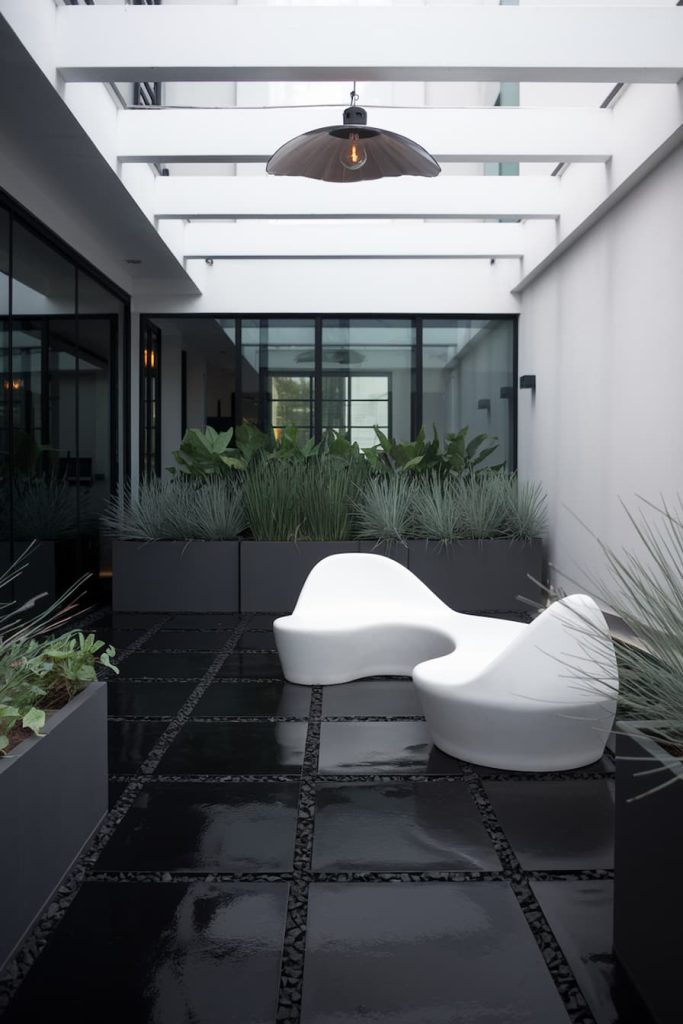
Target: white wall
<point>602,330</point>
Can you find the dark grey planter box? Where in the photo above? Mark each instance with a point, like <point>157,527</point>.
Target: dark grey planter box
<point>390,549</point>
<point>175,576</point>
<point>273,572</point>
<point>479,575</point>
<point>53,796</point>
<point>648,886</point>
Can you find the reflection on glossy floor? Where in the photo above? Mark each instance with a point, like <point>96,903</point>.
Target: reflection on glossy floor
<point>276,853</point>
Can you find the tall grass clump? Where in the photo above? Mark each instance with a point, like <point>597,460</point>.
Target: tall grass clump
<point>328,488</point>
<point>272,499</point>
<point>644,587</point>
<point>383,508</point>
<point>436,508</point>
<point>527,514</point>
<point>177,509</point>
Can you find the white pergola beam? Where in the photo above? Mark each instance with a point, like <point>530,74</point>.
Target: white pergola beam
<point>449,196</point>
<point>184,43</point>
<point>351,241</point>
<point>234,135</point>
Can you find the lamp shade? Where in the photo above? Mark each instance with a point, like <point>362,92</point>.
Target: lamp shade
<point>352,152</point>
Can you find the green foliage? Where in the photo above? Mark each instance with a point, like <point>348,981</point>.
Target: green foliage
<point>179,508</point>
<point>279,487</point>
<point>271,499</point>
<point>302,499</point>
<point>478,506</point>
<point>39,669</point>
<point>383,509</point>
<point>43,507</point>
<point>419,456</point>
<point>644,587</point>
<point>205,454</point>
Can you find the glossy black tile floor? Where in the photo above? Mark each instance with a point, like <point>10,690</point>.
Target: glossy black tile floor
<point>278,853</point>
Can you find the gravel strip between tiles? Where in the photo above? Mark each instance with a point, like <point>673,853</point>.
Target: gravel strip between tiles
<point>17,969</point>
<point>292,968</point>
<point>562,974</point>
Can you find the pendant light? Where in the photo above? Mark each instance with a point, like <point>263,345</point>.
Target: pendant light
<point>352,151</point>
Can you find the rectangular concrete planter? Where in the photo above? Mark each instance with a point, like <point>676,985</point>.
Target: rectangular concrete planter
<point>175,576</point>
<point>479,575</point>
<point>53,796</point>
<point>273,572</point>
<point>648,888</point>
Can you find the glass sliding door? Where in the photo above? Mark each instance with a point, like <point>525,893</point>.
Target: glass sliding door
<point>5,393</point>
<point>60,333</point>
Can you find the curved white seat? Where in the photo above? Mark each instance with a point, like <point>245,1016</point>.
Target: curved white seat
<point>503,694</point>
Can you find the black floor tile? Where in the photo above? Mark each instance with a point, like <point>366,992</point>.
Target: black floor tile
<point>147,697</point>
<point>372,698</point>
<point>423,954</point>
<point>119,638</point>
<point>400,826</point>
<point>198,620</point>
<point>130,620</point>
<point>251,666</point>
<point>204,952</point>
<point>203,826</point>
<point>254,698</point>
<point>580,915</point>
<point>264,620</point>
<point>166,666</point>
<point>234,748</point>
<point>557,825</point>
<point>130,743</point>
<point>187,640</point>
<point>386,748</point>
<point>605,766</point>
<point>256,640</point>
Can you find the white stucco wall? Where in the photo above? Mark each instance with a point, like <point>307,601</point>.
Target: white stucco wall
<point>602,331</point>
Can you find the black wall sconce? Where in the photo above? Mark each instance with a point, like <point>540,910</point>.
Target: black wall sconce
<point>484,403</point>
<point>528,380</point>
<point>507,392</point>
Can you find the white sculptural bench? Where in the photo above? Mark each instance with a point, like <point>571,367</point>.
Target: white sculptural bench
<point>508,695</point>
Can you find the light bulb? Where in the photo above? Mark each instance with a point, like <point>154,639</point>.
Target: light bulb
<point>353,156</point>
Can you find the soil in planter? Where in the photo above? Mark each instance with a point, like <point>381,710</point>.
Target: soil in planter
<point>18,734</point>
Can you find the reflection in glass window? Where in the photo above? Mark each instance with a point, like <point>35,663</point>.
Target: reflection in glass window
<point>368,377</point>
<point>278,364</point>
<point>467,379</point>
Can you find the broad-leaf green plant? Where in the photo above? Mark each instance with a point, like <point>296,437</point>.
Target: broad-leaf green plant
<point>207,453</point>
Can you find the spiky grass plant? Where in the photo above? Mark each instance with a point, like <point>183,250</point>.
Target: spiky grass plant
<point>272,499</point>
<point>477,506</point>
<point>527,513</point>
<point>177,509</point>
<point>435,512</point>
<point>645,589</point>
<point>383,509</point>
<point>327,490</point>
<point>44,507</point>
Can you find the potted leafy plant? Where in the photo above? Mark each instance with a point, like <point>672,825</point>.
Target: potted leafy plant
<point>53,739</point>
<point>645,590</point>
